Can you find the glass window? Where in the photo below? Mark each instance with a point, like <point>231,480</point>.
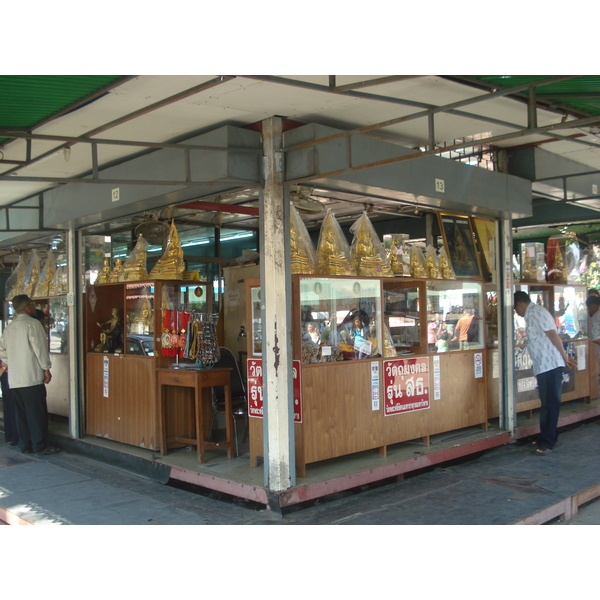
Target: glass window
<point>256,322</point>
<point>58,322</point>
<point>340,319</point>
<point>570,311</point>
<point>454,311</point>
<point>402,318</point>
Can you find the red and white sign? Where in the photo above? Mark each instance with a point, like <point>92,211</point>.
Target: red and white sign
<point>406,385</point>
<point>255,389</point>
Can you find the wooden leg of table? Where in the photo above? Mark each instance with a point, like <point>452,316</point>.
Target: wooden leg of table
<point>229,422</point>
<point>163,419</point>
<point>199,405</point>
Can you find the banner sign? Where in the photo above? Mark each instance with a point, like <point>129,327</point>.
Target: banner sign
<point>255,389</point>
<point>406,384</point>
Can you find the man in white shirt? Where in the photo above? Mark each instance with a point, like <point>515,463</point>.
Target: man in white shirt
<point>549,358</point>
<point>24,349</point>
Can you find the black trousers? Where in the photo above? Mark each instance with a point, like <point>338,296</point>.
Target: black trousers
<point>11,435</point>
<point>32,417</point>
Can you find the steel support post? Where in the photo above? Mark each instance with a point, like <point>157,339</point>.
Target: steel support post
<point>508,407</point>
<point>276,314</point>
<point>72,339</point>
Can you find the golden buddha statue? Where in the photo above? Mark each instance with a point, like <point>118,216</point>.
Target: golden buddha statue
<point>416,266</point>
<point>15,283</point>
<point>134,268</point>
<point>299,259</point>
<point>445,270</point>
<point>111,334</point>
<point>330,258</point>
<point>170,265</point>
<point>43,286</point>
<point>527,272</point>
<point>431,269</point>
<point>142,322</point>
<point>117,270</point>
<point>33,274</point>
<point>104,275</point>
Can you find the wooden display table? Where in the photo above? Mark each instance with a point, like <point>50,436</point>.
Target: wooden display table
<point>200,381</point>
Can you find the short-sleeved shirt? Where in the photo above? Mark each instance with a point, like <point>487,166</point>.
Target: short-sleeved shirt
<point>544,354</point>
<point>595,331</point>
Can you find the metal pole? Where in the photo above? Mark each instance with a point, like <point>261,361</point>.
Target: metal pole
<point>508,407</point>
<point>72,339</point>
<point>276,314</point>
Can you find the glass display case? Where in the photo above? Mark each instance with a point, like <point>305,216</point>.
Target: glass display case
<point>566,303</point>
<point>340,319</point>
<point>256,322</point>
<point>58,323</point>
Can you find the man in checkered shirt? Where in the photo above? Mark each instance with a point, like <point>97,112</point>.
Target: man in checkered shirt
<point>549,359</point>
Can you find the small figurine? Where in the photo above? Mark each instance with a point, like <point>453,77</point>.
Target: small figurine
<point>113,333</point>
<point>117,270</point>
<point>104,275</point>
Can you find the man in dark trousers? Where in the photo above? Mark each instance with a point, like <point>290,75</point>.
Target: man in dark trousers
<point>24,349</point>
<point>549,359</point>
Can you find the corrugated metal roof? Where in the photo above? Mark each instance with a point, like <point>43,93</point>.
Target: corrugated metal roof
<point>28,100</point>
<point>582,93</point>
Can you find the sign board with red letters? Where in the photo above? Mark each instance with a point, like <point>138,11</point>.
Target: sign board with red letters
<point>255,389</point>
<point>406,385</point>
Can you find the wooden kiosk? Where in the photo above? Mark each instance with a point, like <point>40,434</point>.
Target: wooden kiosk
<point>392,389</point>
<point>122,391</point>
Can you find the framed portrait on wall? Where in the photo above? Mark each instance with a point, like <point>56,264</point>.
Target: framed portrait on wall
<point>459,242</point>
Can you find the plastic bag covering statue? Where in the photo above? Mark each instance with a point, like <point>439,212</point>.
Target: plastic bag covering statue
<point>42,289</point>
<point>333,251</point>
<point>555,257</point>
<point>58,284</point>
<point>417,262</point>
<point>367,251</point>
<point>572,258</point>
<point>142,321</point>
<point>303,258</point>
<point>446,270</point>
<point>16,282</point>
<point>134,267</point>
<point>170,264</point>
<point>432,268</point>
<point>32,275</point>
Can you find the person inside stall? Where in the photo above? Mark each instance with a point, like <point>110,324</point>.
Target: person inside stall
<point>432,335</point>
<point>313,332</point>
<point>442,337</point>
<point>355,335</point>
<point>461,331</point>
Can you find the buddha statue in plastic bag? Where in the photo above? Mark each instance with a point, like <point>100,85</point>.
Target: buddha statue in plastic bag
<point>170,265</point>
<point>104,275</point>
<point>303,258</point>
<point>367,251</point>
<point>42,289</point>
<point>446,270</point>
<point>32,274</point>
<point>432,269</point>
<point>333,252</point>
<point>134,267</point>
<point>15,284</point>
<point>417,262</point>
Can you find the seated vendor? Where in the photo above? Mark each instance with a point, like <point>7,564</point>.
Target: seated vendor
<point>355,336</point>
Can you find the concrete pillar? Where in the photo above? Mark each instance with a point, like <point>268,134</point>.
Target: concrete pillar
<point>276,314</point>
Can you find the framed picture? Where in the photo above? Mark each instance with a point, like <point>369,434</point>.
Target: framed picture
<point>485,230</point>
<point>459,242</point>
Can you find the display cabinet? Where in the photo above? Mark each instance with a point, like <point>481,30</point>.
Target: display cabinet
<point>131,329</point>
<point>365,377</point>
<point>567,305</point>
